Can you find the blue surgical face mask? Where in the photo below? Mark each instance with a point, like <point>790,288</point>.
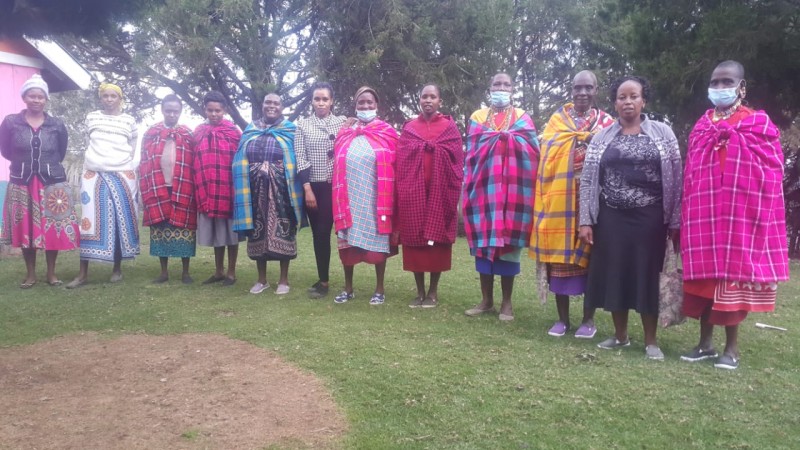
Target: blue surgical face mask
<point>366,115</point>
<point>722,97</point>
<point>501,99</point>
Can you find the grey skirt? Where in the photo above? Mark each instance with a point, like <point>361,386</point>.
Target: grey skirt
<point>216,232</point>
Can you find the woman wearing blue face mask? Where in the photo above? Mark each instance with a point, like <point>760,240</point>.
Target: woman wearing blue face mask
<point>733,230</point>
<point>363,193</point>
<point>501,161</point>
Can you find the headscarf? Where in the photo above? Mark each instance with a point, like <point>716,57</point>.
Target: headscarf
<point>364,89</point>
<point>35,81</point>
<point>113,87</point>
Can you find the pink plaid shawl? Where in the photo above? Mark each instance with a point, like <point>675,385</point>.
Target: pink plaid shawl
<point>499,175</point>
<point>383,139</point>
<point>733,222</point>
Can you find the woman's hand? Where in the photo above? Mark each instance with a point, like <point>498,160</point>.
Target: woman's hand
<point>311,200</point>
<point>675,236</point>
<point>585,234</point>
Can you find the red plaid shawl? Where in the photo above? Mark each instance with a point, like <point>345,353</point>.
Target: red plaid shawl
<point>213,162</point>
<point>180,209</point>
<point>499,176</point>
<point>383,139</point>
<point>433,217</point>
<point>733,223</point>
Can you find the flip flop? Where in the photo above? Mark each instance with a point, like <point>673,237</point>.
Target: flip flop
<point>27,284</point>
<point>55,283</point>
<point>76,283</point>
<point>214,279</point>
<point>477,311</point>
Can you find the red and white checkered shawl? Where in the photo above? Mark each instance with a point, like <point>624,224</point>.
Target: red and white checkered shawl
<point>180,208</point>
<point>433,217</point>
<point>215,146</point>
<point>383,139</point>
<point>733,222</point>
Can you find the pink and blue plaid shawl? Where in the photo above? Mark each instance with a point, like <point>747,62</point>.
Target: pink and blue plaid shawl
<point>733,221</point>
<point>499,176</point>
<point>383,139</point>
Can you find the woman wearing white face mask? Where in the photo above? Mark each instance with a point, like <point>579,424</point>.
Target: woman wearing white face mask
<point>363,193</point>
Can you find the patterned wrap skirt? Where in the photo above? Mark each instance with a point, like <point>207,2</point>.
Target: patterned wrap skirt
<point>275,224</point>
<point>109,215</point>
<point>40,217</point>
<point>168,241</point>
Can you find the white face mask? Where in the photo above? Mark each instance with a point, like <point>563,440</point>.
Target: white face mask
<point>367,115</point>
<point>722,97</point>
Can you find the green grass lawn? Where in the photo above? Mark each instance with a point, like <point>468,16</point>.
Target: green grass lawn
<point>410,378</point>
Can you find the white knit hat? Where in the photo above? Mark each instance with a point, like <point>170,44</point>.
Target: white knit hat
<point>35,81</point>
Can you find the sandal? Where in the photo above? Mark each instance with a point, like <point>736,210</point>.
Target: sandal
<point>429,302</point>
<point>27,284</point>
<point>76,283</point>
<point>416,303</point>
<point>473,312</point>
<point>214,279</point>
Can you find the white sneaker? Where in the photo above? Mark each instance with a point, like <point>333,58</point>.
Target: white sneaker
<point>259,288</point>
<point>282,289</point>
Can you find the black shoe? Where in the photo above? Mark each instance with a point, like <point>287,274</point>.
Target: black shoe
<point>314,287</point>
<point>727,362</point>
<point>698,354</point>
<point>319,291</point>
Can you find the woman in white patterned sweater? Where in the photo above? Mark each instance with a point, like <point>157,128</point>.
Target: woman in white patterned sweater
<point>109,189</point>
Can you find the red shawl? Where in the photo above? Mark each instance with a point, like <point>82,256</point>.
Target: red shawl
<point>179,209</point>
<point>213,162</point>
<point>429,213</point>
<point>383,139</point>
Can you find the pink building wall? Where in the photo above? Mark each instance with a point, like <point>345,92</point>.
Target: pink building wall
<point>11,79</point>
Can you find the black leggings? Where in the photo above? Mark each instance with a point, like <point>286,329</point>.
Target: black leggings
<point>321,225</point>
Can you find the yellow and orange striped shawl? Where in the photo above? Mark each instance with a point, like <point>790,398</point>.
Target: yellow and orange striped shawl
<point>555,210</point>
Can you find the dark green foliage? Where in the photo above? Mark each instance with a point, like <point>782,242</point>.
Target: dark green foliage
<point>243,49</point>
<point>677,44</point>
<point>39,18</point>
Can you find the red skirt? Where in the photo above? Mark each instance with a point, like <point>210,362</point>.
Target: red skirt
<point>429,258</point>
<point>698,299</point>
<point>351,256</point>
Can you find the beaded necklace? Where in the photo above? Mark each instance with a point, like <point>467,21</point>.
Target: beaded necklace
<point>576,115</point>
<point>490,123</point>
<point>726,113</point>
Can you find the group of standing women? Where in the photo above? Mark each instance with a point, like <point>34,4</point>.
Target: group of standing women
<point>39,213</point>
<point>217,187</point>
<point>596,202</point>
<point>610,196</point>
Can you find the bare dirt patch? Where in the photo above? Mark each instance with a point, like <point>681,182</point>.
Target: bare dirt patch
<point>157,392</point>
